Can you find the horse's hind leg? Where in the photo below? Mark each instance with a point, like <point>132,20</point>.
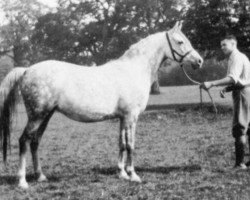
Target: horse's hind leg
<point>34,148</point>
<point>31,136</point>
<point>24,141</point>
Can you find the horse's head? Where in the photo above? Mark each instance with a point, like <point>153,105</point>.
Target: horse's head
<point>180,49</point>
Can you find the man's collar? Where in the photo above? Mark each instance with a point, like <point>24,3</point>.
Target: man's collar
<point>235,51</point>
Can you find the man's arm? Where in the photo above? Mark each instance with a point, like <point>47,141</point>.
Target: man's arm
<point>221,82</point>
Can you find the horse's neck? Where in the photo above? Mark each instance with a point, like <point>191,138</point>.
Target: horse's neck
<point>146,56</point>
<point>151,61</point>
<point>158,57</point>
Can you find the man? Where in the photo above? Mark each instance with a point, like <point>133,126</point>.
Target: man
<point>238,76</point>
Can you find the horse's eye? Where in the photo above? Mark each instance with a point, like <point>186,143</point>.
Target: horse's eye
<point>180,42</point>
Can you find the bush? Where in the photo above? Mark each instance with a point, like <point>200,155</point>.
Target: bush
<point>6,64</point>
<point>172,74</point>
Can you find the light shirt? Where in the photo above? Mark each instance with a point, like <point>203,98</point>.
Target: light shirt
<point>239,68</point>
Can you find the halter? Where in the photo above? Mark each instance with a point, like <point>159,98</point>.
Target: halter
<point>173,51</point>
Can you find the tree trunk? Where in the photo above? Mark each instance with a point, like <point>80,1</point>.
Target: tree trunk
<point>155,87</point>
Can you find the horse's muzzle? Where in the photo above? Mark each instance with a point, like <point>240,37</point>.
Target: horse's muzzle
<point>198,64</point>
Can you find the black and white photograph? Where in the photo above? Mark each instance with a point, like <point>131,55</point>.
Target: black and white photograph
<point>124,99</point>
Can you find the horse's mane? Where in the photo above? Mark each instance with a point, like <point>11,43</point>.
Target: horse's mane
<point>140,47</point>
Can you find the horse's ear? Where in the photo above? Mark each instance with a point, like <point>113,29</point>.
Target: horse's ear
<point>180,25</point>
<point>176,25</point>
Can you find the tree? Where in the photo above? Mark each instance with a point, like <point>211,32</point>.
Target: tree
<point>97,31</point>
<point>54,38</point>
<point>15,33</point>
<point>220,17</point>
<point>103,30</point>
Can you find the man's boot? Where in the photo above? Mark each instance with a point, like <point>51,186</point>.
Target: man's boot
<point>248,133</point>
<point>239,154</point>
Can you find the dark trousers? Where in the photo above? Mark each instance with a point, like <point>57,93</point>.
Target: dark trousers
<point>241,121</point>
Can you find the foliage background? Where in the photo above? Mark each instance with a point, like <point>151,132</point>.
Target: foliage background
<point>92,32</point>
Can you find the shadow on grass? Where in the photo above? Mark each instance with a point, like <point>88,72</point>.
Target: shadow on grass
<point>167,170</point>
<point>8,180</point>
<point>13,180</point>
<point>206,107</point>
<point>159,169</point>
<point>105,170</point>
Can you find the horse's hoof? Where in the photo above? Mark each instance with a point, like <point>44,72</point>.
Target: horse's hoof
<point>135,178</point>
<point>42,178</point>
<point>124,175</point>
<point>23,185</point>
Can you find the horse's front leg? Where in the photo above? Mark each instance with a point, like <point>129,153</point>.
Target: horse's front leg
<point>122,150</point>
<point>130,141</point>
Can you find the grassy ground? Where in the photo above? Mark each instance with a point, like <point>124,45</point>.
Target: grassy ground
<point>181,153</point>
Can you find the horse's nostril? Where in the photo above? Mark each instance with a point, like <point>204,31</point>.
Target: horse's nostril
<point>200,61</point>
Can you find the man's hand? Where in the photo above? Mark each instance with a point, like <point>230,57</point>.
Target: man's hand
<point>222,93</point>
<point>206,85</point>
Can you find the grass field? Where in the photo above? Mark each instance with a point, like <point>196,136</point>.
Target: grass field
<point>181,153</point>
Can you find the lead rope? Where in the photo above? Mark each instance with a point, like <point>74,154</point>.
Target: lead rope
<point>208,92</point>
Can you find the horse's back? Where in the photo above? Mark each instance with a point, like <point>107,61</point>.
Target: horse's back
<point>83,93</point>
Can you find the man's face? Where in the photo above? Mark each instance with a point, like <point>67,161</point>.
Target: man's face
<point>227,46</point>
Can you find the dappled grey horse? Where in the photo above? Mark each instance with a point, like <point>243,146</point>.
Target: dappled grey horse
<point>117,89</point>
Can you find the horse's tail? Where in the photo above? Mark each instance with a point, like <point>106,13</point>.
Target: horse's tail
<point>8,99</point>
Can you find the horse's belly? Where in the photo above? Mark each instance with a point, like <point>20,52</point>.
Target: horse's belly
<point>88,110</point>
<point>87,116</point>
